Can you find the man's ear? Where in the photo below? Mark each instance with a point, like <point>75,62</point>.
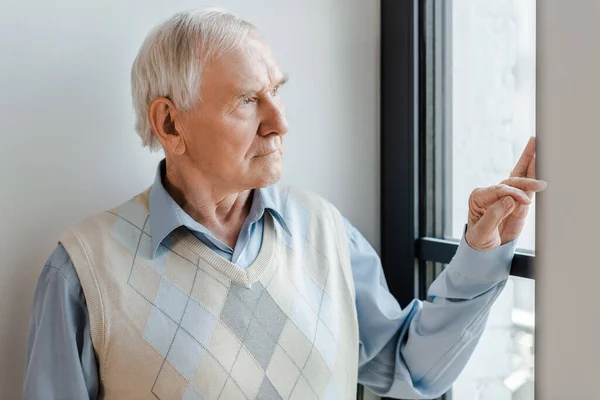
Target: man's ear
<point>163,116</point>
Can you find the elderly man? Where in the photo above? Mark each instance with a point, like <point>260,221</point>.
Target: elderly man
<point>216,283</point>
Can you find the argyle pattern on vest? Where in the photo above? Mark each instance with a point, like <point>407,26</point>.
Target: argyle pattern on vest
<point>188,324</point>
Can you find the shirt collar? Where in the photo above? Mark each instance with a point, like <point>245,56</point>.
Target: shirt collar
<point>166,215</point>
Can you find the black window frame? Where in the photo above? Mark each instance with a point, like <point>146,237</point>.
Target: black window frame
<point>413,248</point>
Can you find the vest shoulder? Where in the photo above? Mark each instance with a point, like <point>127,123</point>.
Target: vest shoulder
<point>133,212</point>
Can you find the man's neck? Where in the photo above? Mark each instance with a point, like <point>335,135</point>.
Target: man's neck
<point>221,212</point>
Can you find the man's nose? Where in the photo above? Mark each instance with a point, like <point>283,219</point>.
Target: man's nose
<point>274,120</point>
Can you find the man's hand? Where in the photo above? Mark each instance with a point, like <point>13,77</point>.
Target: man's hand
<point>497,213</point>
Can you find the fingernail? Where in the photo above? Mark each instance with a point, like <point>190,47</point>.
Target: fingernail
<point>508,202</point>
<point>544,184</point>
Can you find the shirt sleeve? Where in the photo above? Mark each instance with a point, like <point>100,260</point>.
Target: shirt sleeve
<point>60,362</point>
<point>419,351</point>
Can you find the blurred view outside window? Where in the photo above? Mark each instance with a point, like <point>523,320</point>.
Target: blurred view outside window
<point>492,74</point>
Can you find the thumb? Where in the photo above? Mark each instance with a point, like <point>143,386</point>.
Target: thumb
<point>494,215</point>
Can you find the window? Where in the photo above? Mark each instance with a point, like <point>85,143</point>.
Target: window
<point>493,115</point>
<point>492,74</point>
<point>458,106</point>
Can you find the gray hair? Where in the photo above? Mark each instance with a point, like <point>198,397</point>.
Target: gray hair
<point>170,61</point>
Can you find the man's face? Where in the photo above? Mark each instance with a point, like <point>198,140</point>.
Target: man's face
<point>234,138</point>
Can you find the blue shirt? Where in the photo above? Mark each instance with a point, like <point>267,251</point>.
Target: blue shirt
<point>415,352</point>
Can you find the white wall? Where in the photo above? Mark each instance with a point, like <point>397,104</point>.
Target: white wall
<point>68,144</point>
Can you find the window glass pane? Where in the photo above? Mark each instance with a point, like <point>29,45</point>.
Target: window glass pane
<point>502,366</point>
<point>493,99</point>
<point>492,103</point>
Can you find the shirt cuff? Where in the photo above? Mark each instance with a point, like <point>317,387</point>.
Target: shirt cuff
<point>483,265</point>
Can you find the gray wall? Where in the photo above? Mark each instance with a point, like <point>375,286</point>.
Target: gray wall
<point>69,148</point>
<point>568,349</point>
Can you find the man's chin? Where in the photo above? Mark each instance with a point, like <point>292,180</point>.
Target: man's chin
<point>269,177</point>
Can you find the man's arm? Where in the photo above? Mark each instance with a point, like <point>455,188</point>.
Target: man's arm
<point>419,351</point>
<point>60,363</point>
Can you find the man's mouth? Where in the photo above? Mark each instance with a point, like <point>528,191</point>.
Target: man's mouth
<point>268,153</point>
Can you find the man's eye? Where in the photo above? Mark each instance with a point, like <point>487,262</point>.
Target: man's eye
<point>275,90</point>
<point>246,100</point>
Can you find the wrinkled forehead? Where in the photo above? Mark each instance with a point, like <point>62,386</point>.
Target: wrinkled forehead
<point>250,63</point>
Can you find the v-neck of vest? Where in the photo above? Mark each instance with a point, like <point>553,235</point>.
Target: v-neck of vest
<point>245,277</point>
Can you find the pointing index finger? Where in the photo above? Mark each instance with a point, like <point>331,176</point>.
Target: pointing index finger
<point>527,156</point>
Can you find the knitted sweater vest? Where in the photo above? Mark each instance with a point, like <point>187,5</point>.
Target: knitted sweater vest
<point>188,324</point>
